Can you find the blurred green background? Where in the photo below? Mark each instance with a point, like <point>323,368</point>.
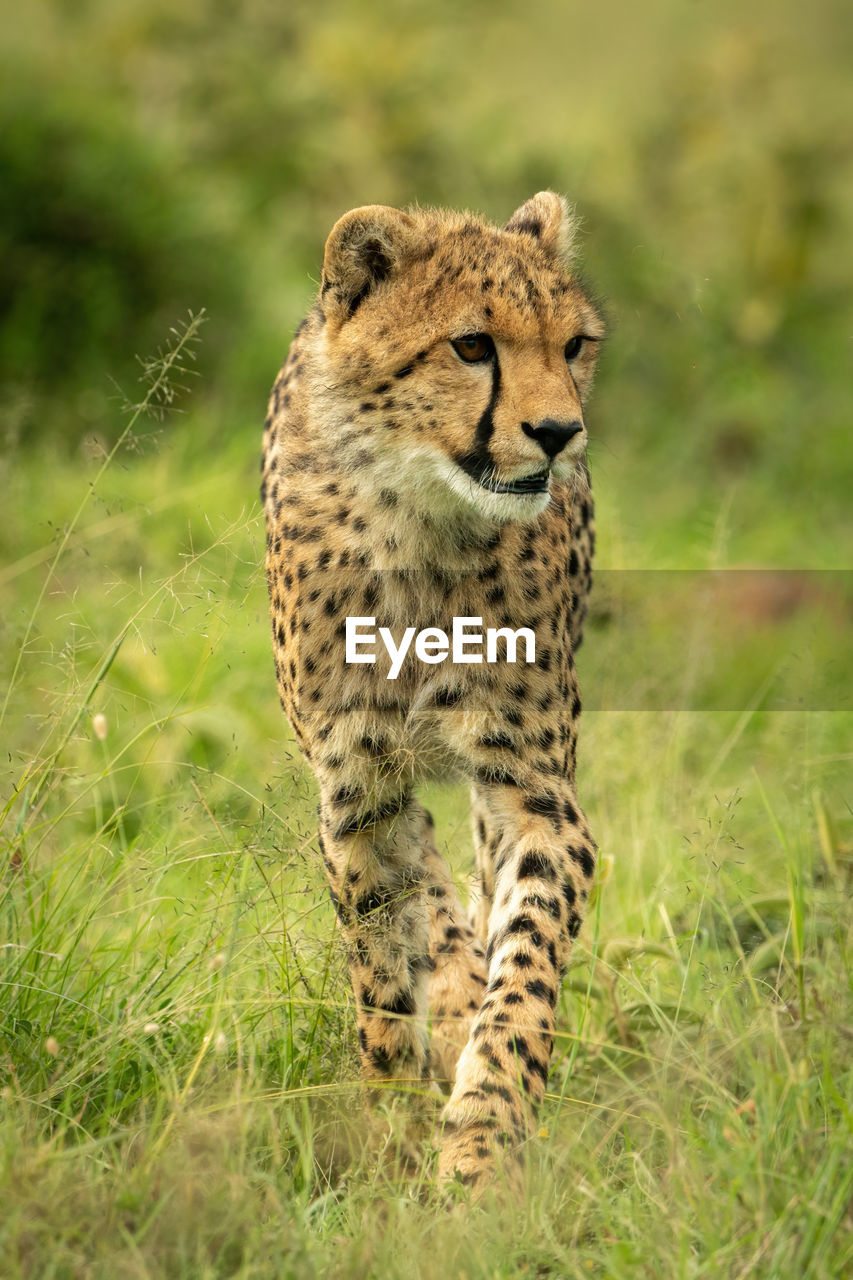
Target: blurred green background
<point>159,157</point>
<point>171,987</point>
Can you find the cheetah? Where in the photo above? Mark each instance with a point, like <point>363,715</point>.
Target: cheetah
<point>424,461</point>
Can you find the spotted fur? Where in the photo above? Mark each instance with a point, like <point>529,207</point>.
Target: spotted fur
<point>402,482</point>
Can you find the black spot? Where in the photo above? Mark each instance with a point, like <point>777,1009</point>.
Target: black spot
<point>517,1046</point>
<point>375,900</point>
<point>538,1068</point>
<point>447,697</point>
<point>551,905</point>
<point>489,572</point>
<point>497,740</point>
<point>540,991</point>
<point>494,776</point>
<point>382,1061</point>
<point>363,821</point>
<point>522,924</point>
<point>584,858</point>
<point>401,1006</point>
<point>341,911</point>
<point>535,864</point>
<point>491,1058</point>
<point>545,804</point>
<point>528,226</point>
<point>347,795</point>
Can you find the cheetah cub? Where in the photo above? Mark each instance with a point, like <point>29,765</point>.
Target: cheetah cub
<point>424,477</point>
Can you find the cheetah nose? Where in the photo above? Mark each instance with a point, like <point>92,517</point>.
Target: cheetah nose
<point>551,434</point>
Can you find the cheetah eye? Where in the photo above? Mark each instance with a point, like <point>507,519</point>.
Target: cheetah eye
<point>573,348</point>
<point>474,347</point>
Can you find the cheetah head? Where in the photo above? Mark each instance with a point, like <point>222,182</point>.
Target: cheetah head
<point>458,355</point>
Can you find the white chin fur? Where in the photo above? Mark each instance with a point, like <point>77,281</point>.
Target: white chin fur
<point>501,507</point>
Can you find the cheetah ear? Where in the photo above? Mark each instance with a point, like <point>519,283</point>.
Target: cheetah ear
<point>363,249</point>
<point>548,218</point>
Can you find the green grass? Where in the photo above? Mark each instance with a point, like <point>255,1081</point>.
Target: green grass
<point>179,1093</point>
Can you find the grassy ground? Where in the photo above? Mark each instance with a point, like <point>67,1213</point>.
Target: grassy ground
<point>179,1085</point>
<point>180,1093</point>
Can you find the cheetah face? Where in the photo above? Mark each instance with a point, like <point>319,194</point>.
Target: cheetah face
<point>465,352</point>
<point>530,432</point>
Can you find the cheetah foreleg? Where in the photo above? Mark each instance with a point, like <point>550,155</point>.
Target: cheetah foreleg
<point>458,966</point>
<point>376,877</point>
<point>544,869</point>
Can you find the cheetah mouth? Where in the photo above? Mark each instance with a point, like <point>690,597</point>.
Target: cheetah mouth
<point>537,483</point>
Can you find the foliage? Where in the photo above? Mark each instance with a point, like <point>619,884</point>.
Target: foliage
<point>100,247</point>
